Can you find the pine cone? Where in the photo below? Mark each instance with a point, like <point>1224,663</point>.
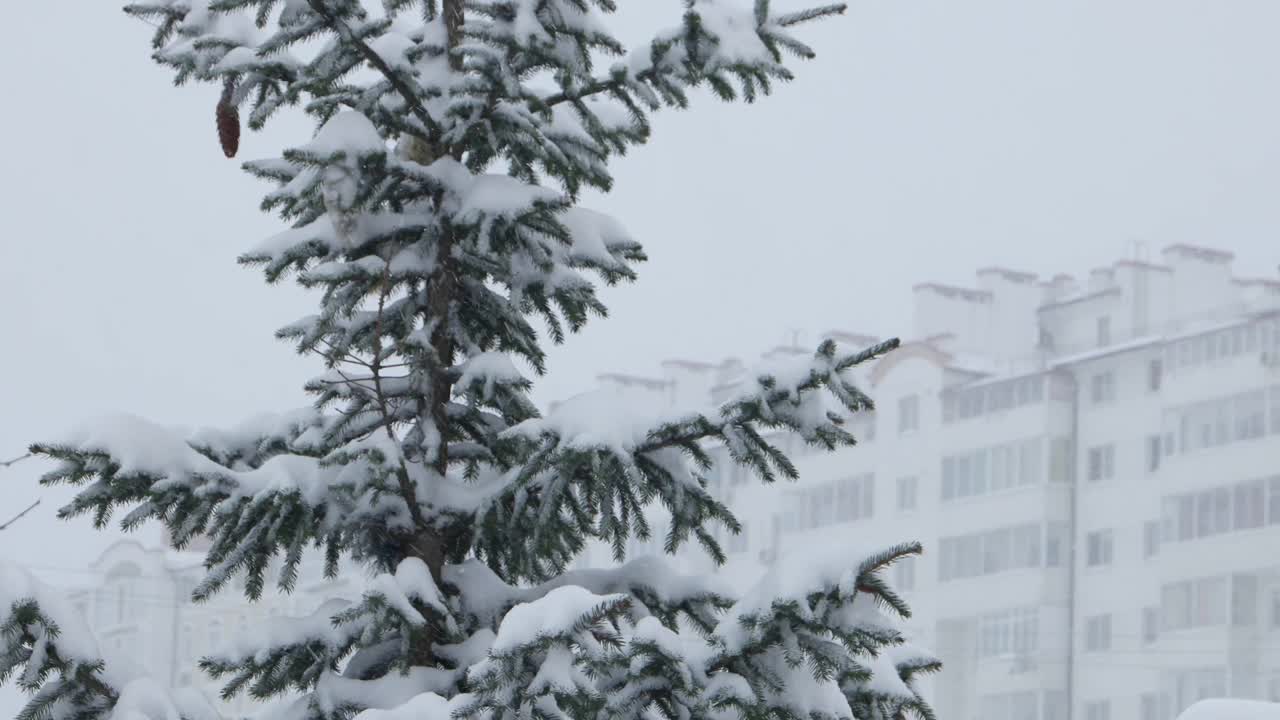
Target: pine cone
<point>228,122</point>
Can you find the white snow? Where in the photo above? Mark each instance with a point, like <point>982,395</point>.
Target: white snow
<point>803,695</point>
<point>140,697</point>
<point>483,593</point>
<point>794,579</point>
<point>490,368</point>
<point>75,640</point>
<point>412,581</point>
<point>486,596</point>
<point>651,573</point>
<point>553,614</point>
<point>593,234</point>
<point>558,673</point>
<point>145,699</point>
<point>393,48</point>
<point>244,437</point>
<point>384,693</point>
<point>486,197</point>
<point>734,28</point>
<point>1225,709</point>
<point>470,651</point>
<point>426,706</point>
<point>885,679</point>
<point>617,419</point>
<point>282,632</point>
<point>347,132</point>
<point>237,59</point>
<point>140,446</point>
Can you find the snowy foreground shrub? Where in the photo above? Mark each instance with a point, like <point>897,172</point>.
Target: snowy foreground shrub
<point>436,208</point>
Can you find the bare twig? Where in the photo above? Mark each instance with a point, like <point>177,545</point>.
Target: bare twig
<point>18,517</point>
<point>15,461</point>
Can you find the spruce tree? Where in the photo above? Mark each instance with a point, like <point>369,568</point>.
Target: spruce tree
<point>436,208</point>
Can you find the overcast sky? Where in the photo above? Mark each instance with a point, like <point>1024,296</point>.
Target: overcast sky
<point>931,137</point>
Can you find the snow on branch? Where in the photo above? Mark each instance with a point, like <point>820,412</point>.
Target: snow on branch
<point>823,613</point>
<point>810,640</point>
<point>372,637</point>
<point>594,463</point>
<point>50,653</point>
<point>258,490</point>
<point>655,590</point>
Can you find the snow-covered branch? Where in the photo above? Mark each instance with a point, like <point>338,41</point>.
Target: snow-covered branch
<point>589,468</point>
<point>50,653</point>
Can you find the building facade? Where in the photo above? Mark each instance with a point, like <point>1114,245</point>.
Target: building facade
<point>137,602</point>
<point>1093,468</point>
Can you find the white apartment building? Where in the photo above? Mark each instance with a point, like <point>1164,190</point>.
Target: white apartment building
<point>137,603</point>
<point>1093,469</point>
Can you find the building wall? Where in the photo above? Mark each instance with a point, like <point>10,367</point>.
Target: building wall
<point>1119,357</point>
<point>138,605</point>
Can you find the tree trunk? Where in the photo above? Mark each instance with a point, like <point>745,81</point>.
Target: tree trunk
<point>427,543</point>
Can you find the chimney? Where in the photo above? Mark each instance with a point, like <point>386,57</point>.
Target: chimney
<point>1203,287</point>
<point>1058,287</point>
<point>1101,279</point>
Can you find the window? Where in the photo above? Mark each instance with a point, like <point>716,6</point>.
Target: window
<point>973,402</point>
<point>1097,633</point>
<point>1055,705</point>
<point>1194,603</point>
<point>1100,548</point>
<point>1155,374</point>
<point>1061,465</point>
<point>1150,625</point>
<point>215,635</point>
<point>1008,632</point>
<point>1054,544</point>
<point>1222,421</point>
<point>1150,539</point>
<point>1097,710</point>
<point>992,469</point>
<point>822,507</point>
<point>907,493</point>
<point>1244,600</point>
<point>1102,463</point>
<point>1102,388</point>
<point>1154,453</point>
<point>1232,508</point>
<point>187,647</point>
<point>119,595</point>
<point>738,543</point>
<point>1192,686</point>
<point>995,551</point>
<point>1104,331</point>
<point>1030,462</point>
<point>1009,706</point>
<point>1150,707</point>
<point>1026,546</point>
<point>855,498</point>
<point>904,574</point>
<point>908,414</point>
